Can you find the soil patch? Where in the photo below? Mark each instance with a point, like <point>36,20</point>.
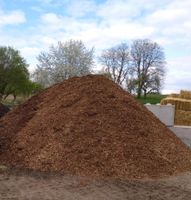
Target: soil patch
<point>14,186</point>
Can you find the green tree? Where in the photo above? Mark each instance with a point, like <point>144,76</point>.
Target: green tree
<point>31,88</point>
<point>14,75</point>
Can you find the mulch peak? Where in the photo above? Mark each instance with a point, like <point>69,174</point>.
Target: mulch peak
<point>89,126</point>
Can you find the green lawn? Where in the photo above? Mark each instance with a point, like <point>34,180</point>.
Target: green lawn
<point>152,98</point>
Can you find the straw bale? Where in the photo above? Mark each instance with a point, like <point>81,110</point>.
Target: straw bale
<point>183,118</point>
<point>180,104</point>
<point>185,94</point>
<point>174,95</point>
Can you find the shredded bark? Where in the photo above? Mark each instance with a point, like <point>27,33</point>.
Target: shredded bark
<point>89,126</point>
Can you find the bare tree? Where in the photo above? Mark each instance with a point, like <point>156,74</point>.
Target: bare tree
<point>153,83</point>
<point>63,61</point>
<point>131,85</point>
<point>148,62</point>
<point>116,62</point>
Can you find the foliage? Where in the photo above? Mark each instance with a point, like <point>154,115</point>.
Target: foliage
<point>63,61</point>
<point>14,75</point>
<point>31,88</point>
<point>13,72</point>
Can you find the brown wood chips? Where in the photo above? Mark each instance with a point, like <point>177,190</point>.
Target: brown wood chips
<point>89,126</point>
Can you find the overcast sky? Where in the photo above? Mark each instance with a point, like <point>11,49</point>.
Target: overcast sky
<point>33,25</point>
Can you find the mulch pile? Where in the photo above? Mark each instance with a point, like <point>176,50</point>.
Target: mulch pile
<point>3,110</point>
<point>89,126</point>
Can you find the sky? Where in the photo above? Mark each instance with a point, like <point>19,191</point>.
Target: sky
<point>31,26</point>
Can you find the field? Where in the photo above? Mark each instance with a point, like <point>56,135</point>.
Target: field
<point>152,98</point>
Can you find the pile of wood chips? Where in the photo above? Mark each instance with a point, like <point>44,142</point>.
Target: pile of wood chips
<point>89,126</point>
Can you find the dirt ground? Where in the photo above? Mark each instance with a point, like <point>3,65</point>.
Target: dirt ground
<point>17,185</point>
<point>27,185</point>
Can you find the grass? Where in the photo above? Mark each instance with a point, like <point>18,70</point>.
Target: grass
<point>151,98</point>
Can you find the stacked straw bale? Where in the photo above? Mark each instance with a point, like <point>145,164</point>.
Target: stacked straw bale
<point>182,104</point>
<point>183,118</point>
<point>184,94</point>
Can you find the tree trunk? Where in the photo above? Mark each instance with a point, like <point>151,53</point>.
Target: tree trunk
<point>15,96</point>
<point>139,90</point>
<point>5,96</point>
<point>145,94</point>
<point>139,93</point>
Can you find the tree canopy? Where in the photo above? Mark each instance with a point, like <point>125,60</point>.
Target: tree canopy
<point>148,62</point>
<point>63,61</point>
<point>116,61</point>
<point>141,67</point>
<point>13,72</point>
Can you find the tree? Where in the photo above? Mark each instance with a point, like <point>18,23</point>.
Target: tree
<point>131,85</point>
<point>153,84</point>
<point>63,61</point>
<point>103,72</point>
<point>148,62</point>
<point>31,88</point>
<point>13,72</point>
<point>116,62</point>
<point>42,76</point>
